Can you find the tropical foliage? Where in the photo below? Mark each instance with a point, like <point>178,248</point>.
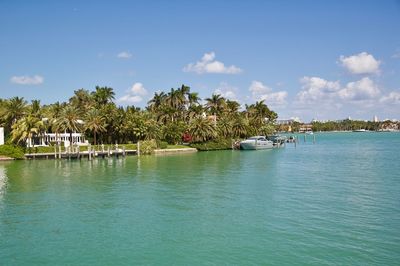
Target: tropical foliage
<point>167,117</point>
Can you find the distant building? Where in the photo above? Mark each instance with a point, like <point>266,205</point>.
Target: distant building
<point>1,135</point>
<point>287,121</point>
<point>375,119</point>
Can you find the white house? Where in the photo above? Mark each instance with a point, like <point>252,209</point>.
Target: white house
<point>1,135</point>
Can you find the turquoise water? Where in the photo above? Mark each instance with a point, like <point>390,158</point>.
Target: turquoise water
<point>335,202</point>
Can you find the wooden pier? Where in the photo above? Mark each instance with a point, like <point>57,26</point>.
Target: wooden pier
<point>90,154</point>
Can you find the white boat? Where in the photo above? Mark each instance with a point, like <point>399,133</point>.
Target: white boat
<point>309,132</point>
<point>256,143</point>
<point>360,130</point>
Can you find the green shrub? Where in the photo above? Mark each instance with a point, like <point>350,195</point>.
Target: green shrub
<point>162,145</point>
<point>148,146</point>
<point>12,151</point>
<point>219,144</point>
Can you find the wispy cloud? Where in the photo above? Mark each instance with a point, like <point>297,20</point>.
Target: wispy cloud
<point>362,63</point>
<point>208,64</point>
<point>124,55</point>
<point>27,80</point>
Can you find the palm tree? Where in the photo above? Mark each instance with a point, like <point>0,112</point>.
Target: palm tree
<point>239,126</point>
<point>95,122</point>
<point>156,101</point>
<point>175,100</point>
<point>194,111</point>
<point>69,120</point>
<point>82,100</point>
<point>193,98</point>
<point>215,105</point>
<point>35,108</point>
<point>232,107</point>
<point>103,95</point>
<point>224,127</point>
<point>15,108</point>
<point>201,129</point>
<point>25,128</point>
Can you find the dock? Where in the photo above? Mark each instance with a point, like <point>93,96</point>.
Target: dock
<point>81,154</point>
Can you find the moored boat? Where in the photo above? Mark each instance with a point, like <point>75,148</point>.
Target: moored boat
<point>256,143</point>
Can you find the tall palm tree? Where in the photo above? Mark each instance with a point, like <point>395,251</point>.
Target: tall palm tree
<point>193,98</point>
<point>156,101</point>
<point>15,108</point>
<point>215,105</point>
<point>175,100</point>
<point>103,95</point>
<point>95,122</point>
<point>69,120</point>
<point>82,100</point>
<point>35,108</point>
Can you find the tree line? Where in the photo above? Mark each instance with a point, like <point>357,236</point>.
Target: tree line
<point>172,116</point>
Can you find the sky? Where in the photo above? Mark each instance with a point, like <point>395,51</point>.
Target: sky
<point>308,59</point>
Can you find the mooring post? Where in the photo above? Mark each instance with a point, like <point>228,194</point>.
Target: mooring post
<point>138,148</point>
<point>123,150</point>
<point>55,152</point>
<point>108,151</point>
<point>78,152</point>
<point>313,139</point>
<point>89,153</point>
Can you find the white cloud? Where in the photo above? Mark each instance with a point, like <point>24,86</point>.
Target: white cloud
<point>315,88</point>
<point>27,80</point>
<point>134,94</point>
<point>258,87</point>
<point>392,98</point>
<point>261,92</point>
<point>208,64</point>
<point>362,89</point>
<point>124,55</point>
<point>226,91</point>
<point>138,89</point>
<point>362,63</point>
<point>275,98</point>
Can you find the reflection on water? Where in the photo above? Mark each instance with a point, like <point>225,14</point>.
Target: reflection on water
<point>3,181</point>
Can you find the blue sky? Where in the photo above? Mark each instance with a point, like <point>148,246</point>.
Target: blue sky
<point>307,59</point>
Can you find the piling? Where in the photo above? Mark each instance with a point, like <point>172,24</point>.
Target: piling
<point>89,153</point>
<point>138,148</point>
<point>55,152</point>
<point>123,151</point>
<point>108,151</point>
